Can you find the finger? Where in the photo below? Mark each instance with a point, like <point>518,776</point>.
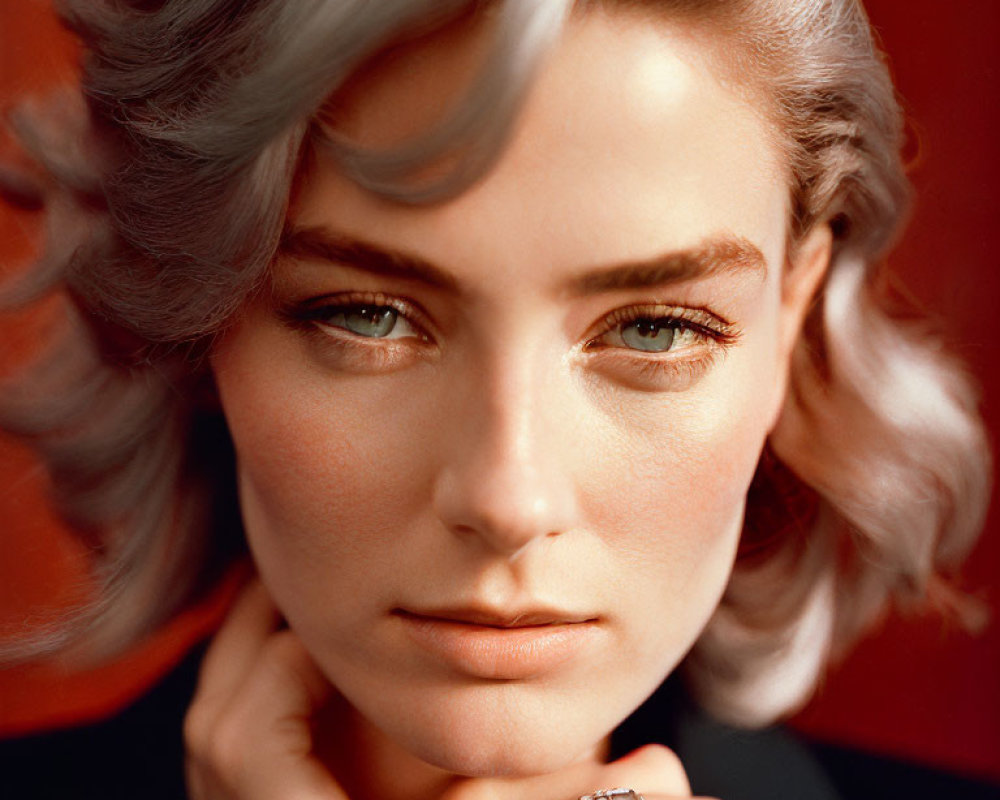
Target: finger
<point>263,743</point>
<point>653,771</point>
<point>647,796</point>
<point>235,647</point>
<point>284,685</point>
<point>233,653</point>
<point>650,770</point>
<point>676,797</point>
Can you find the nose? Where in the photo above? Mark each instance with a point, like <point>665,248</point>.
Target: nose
<point>505,482</point>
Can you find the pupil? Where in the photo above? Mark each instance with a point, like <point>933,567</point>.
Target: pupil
<point>651,335</point>
<point>376,321</point>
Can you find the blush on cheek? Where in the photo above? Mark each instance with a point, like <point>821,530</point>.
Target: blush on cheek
<point>307,452</point>
<point>685,474</point>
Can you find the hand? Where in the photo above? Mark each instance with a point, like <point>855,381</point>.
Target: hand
<point>247,732</point>
<point>653,771</point>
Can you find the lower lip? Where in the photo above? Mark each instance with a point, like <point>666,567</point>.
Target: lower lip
<point>500,653</point>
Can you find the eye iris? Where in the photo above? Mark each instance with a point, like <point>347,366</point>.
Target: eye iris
<point>374,321</point>
<point>651,335</point>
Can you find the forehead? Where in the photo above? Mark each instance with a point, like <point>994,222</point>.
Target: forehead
<point>626,131</point>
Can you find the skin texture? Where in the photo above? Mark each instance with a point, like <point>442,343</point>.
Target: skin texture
<point>505,448</point>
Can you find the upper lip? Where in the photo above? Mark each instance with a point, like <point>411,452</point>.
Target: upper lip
<point>495,618</point>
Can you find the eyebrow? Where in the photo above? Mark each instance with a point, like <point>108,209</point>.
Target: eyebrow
<point>723,253</point>
<point>322,245</point>
<point>720,254</point>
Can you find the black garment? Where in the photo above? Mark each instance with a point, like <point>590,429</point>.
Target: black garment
<point>136,755</point>
<point>139,755</point>
<point>776,763</point>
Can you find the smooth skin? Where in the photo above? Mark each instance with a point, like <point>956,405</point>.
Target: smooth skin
<point>512,431</point>
<point>250,729</point>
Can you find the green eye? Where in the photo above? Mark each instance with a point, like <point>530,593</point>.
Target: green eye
<point>649,335</point>
<point>373,321</point>
<point>358,318</point>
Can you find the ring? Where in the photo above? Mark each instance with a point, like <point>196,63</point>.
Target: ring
<point>613,794</point>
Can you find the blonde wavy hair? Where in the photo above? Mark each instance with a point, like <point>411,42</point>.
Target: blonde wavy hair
<point>165,185</point>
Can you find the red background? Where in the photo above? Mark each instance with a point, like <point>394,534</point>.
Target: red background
<point>917,688</point>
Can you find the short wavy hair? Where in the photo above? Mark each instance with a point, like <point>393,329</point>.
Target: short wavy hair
<point>166,183</point>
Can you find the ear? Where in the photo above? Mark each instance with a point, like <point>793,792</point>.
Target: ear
<point>804,272</point>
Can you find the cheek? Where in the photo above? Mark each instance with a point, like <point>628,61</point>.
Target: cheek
<point>681,466</point>
<point>682,463</point>
<point>328,478</point>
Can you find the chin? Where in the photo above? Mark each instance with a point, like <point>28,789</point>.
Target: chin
<point>506,733</point>
<point>499,759</point>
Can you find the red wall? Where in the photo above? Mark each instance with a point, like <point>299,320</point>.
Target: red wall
<point>917,688</point>
<point>921,688</point>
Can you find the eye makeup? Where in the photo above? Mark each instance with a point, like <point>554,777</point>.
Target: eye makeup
<point>647,346</point>
<point>363,332</point>
<point>629,326</point>
<point>659,347</point>
<point>374,315</point>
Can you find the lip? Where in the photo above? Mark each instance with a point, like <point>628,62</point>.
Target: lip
<point>496,645</point>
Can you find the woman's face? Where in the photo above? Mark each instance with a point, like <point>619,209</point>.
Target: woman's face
<point>493,453</point>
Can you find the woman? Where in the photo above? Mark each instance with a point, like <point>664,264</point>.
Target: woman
<point>511,313</point>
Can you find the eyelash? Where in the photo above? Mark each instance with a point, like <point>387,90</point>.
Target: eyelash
<point>713,334</point>
<point>311,314</point>
<point>713,337</point>
<point>697,320</point>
